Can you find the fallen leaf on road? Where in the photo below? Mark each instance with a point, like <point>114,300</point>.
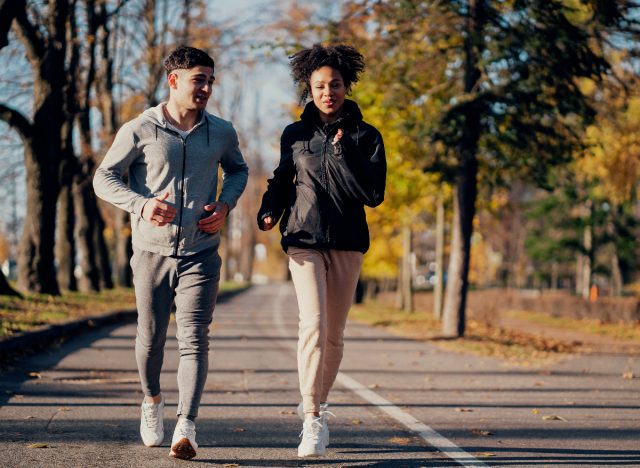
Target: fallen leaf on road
<point>230,465</point>
<point>486,454</point>
<point>553,417</point>
<point>535,411</point>
<point>356,421</point>
<point>481,432</point>
<point>29,417</point>
<point>539,383</point>
<point>287,412</point>
<point>464,410</point>
<point>64,408</point>
<point>239,429</point>
<point>38,445</point>
<point>400,440</point>
<point>628,375</point>
<point>375,385</point>
<point>35,375</point>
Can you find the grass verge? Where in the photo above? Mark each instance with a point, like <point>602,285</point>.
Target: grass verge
<point>514,345</point>
<point>35,310</point>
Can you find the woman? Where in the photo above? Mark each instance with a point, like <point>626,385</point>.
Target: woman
<point>332,164</point>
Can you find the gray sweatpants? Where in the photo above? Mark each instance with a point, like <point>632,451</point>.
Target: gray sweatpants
<point>192,283</point>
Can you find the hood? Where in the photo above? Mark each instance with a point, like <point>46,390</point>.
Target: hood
<point>350,113</point>
<point>156,115</point>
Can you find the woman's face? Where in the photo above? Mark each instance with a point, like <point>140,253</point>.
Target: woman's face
<point>328,92</point>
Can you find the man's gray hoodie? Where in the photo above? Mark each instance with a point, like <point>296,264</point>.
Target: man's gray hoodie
<point>159,160</point>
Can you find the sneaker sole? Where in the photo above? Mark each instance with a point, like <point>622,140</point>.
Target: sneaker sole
<point>183,450</point>
<point>313,455</point>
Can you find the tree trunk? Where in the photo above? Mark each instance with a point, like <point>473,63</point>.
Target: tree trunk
<point>466,190</point>
<point>438,288</point>
<point>579,272</point>
<point>123,274</point>
<point>44,149</point>
<point>85,227</point>
<point>406,294</point>
<point>65,243</point>
<point>454,320</point>
<point>586,263</point>
<point>36,270</point>
<point>616,274</point>
<point>5,287</point>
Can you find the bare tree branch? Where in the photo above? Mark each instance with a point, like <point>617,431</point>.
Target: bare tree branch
<point>8,11</point>
<point>17,121</point>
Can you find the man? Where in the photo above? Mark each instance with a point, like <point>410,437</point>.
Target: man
<point>172,152</point>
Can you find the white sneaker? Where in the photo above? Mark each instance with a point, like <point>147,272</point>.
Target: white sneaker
<point>324,414</point>
<point>151,424</point>
<point>183,444</point>
<point>312,444</point>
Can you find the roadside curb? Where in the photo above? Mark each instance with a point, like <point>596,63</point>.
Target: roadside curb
<point>28,343</point>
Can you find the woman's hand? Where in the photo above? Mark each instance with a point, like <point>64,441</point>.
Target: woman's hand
<point>268,223</point>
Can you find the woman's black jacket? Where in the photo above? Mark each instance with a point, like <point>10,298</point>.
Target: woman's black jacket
<point>320,188</point>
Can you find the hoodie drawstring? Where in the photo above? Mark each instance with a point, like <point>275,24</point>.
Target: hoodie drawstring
<point>207,121</point>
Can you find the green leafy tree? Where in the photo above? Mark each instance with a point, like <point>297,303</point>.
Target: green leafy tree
<point>504,79</point>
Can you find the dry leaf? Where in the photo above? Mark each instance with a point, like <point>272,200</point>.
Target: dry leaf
<point>464,410</point>
<point>481,432</point>
<point>553,417</point>
<point>372,386</point>
<point>539,383</point>
<point>628,375</point>
<point>486,454</point>
<point>535,411</point>
<point>230,465</point>
<point>356,421</point>
<point>400,440</point>
<point>29,417</point>
<point>38,445</point>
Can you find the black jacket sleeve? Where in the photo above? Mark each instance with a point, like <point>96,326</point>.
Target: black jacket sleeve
<point>367,165</point>
<point>275,199</point>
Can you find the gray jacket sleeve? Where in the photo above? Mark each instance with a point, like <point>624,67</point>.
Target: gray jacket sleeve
<point>108,181</point>
<point>234,171</point>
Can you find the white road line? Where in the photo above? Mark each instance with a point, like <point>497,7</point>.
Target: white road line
<point>431,436</point>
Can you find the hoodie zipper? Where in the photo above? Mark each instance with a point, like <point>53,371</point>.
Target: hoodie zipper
<point>184,163</point>
<point>324,176</point>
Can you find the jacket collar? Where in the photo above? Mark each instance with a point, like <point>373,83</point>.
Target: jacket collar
<point>350,114</point>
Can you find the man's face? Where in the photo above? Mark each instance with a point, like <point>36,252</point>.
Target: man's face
<point>190,89</point>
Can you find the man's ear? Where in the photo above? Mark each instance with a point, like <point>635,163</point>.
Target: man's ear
<point>172,79</point>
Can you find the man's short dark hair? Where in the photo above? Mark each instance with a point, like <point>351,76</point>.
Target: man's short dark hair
<point>185,57</point>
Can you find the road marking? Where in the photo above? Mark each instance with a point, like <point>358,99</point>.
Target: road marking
<point>430,435</point>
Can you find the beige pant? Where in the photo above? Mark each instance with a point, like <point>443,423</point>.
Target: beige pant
<point>325,283</point>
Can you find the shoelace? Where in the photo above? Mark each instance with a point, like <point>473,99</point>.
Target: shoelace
<point>325,413</point>
<point>150,413</point>
<point>315,428</point>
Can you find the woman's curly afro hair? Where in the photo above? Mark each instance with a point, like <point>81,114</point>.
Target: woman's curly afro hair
<point>346,59</point>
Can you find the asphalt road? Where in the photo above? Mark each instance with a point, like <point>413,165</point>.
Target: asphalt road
<point>398,402</point>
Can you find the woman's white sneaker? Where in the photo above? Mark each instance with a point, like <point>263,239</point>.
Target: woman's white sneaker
<point>151,423</point>
<point>312,444</point>
<point>324,414</point>
<point>183,444</point>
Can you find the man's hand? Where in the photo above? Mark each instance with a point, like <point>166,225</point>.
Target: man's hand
<point>157,212</point>
<point>214,222</point>
<point>268,223</point>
